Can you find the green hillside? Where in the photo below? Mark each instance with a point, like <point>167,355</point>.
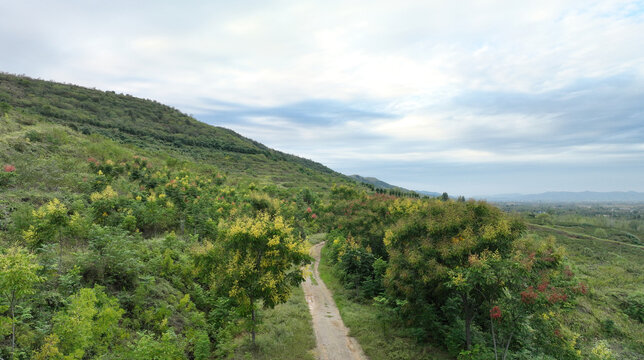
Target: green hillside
<point>157,128</point>
<point>131,231</point>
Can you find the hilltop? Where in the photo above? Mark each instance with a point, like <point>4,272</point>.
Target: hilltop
<point>158,128</point>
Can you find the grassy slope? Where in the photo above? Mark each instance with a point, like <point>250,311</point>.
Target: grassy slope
<point>159,129</point>
<point>378,339</point>
<point>52,162</point>
<point>612,271</point>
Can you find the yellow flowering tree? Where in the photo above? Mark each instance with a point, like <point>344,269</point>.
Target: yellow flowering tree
<point>48,223</point>
<point>255,259</point>
<point>18,276</point>
<point>432,248</point>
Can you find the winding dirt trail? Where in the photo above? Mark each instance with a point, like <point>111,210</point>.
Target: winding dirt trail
<point>332,337</point>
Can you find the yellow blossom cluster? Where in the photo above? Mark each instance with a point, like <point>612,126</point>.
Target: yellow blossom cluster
<point>106,194</point>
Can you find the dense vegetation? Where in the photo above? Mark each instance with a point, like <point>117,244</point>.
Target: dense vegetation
<point>446,272</point>
<point>130,231</point>
<point>110,250</point>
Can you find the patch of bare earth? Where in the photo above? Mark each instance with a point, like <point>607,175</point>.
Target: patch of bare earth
<point>332,337</point>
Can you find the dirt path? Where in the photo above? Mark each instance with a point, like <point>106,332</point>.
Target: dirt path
<point>332,337</point>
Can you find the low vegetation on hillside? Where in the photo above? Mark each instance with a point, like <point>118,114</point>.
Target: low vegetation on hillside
<point>158,128</point>
<point>131,231</point>
<point>109,254</point>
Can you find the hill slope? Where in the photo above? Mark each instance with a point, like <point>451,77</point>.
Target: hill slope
<point>157,127</point>
<point>375,182</point>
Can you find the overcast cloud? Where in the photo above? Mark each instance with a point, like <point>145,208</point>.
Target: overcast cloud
<point>464,97</point>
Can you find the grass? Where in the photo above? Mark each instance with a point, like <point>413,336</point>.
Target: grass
<point>286,333</point>
<point>378,340</point>
<point>612,271</point>
<point>566,232</point>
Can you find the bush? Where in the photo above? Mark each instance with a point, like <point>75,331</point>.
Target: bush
<point>634,306</point>
<point>477,353</point>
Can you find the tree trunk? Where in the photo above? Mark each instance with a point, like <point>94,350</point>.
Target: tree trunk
<point>252,331</point>
<point>252,316</point>
<point>13,324</point>
<point>507,346</point>
<point>468,323</point>
<point>496,355</point>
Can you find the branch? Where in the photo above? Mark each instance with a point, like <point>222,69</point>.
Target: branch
<point>505,353</point>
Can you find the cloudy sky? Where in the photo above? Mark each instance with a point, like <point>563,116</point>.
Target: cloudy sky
<point>479,97</point>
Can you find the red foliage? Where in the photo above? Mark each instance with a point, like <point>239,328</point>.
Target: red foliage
<point>314,216</point>
<point>308,209</point>
<point>93,161</point>
<point>543,286</point>
<point>9,168</point>
<point>495,313</point>
<point>581,288</point>
<point>528,296</point>
<point>568,272</point>
<point>556,297</point>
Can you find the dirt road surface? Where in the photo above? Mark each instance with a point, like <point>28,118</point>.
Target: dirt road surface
<point>332,337</point>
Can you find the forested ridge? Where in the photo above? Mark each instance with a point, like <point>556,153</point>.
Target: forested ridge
<point>131,231</point>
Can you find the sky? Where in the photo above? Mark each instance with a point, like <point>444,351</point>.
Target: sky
<point>467,97</point>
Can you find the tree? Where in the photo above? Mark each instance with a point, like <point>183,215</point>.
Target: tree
<point>18,275</point>
<point>89,325</point>
<point>255,259</point>
<point>435,238</point>
<point>50,223</point>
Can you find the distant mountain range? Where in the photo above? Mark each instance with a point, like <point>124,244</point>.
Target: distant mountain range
<point>569,196</point>
<point>546,197</point>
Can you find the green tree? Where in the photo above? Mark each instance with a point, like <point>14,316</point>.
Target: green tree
<point>255,259</point>
<point>50,222</point>
<point>168,347</point>
<point>436,237</point>
<point>18,276</point>
<point>89,325</point>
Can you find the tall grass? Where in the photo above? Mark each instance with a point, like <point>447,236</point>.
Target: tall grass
<point>286,333</point>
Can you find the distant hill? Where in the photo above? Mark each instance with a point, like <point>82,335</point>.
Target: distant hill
<point>159,128</point>
<point>568,196</point>
<point>375,182</point>
<point>428,193</point>
<point>379,184</point>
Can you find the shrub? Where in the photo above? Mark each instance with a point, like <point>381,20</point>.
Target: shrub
<point>7,175</point>
<point>634,306</point>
